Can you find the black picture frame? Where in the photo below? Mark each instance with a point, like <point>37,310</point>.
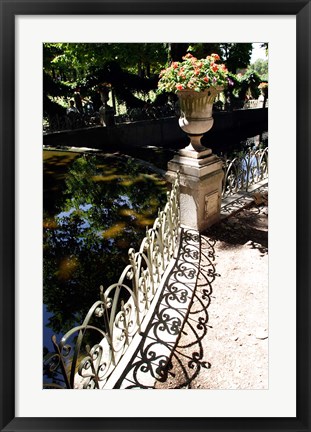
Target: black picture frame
<point>9,9</point>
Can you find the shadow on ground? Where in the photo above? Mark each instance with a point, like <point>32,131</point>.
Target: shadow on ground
<point>250,225</point>
<point>188,356</point>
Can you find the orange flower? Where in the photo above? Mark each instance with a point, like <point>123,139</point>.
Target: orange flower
<point>179,86</point>
<point>206,79</point>
<point>215,56</point>
<point>175,65</point>
<point>188,55</point>
<point>214,67</point>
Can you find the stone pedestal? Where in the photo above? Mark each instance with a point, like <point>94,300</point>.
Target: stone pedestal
<point>201,176</point>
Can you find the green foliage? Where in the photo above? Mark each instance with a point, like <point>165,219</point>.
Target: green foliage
<point>77,60</point>
<point>201,50</point>
<point>260,66</point>
<point>234,55</point>
<point>124,83</point>
<point>131,68</point>
<point>242,86</point>
<point>248,83</point>
<point>53,89</point>
<point>266,46</point>
<point>128,67</point>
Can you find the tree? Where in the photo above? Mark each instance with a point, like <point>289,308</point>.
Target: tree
<point>176,51</point>
<point>260,66</point>
<point>77,60</point>
<point>201,50</point>
<point>236,55</point>
<point>249,84</point>
<point>130,68</point>
<point>52,86</point>
<point>266,46</point>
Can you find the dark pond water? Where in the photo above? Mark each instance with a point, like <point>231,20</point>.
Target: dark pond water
<point>95,208</point>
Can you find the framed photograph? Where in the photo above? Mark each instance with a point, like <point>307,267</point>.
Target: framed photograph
<point>27,28</point>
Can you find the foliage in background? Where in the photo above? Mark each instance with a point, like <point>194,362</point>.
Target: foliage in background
<point>247,85</point>
<point>260,66</point>
<point>234,55</point>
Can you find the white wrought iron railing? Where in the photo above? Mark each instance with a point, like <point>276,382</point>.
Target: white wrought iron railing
<point>112,322</point>
<point>244,170</point>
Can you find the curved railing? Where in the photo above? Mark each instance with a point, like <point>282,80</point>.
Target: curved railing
<point>244,171</point>
<point>86,355</point>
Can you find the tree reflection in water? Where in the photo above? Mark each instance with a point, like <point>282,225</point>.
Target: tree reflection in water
<point>106,205</point>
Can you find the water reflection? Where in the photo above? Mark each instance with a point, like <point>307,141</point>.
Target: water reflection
<point>104,208</point>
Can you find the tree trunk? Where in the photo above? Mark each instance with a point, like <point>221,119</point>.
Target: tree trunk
<point>178,50</point>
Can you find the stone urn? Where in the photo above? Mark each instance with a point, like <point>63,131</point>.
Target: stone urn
<point>196,115</point>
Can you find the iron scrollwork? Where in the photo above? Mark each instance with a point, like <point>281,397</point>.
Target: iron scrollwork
<point>244,170</point>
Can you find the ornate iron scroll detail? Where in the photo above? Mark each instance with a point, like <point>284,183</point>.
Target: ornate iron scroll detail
<point>182,308</point>
<point>244,171</point>
<point>86,355</point>
<point>188,356</point>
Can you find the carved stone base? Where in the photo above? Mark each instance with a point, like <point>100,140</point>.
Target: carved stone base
<point>200,189</point>
<point>195,153</point>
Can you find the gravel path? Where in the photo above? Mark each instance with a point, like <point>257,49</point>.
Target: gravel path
<point>224,344</point>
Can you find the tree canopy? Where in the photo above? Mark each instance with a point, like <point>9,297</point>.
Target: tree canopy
<point>132,69</point>
<point>261,67</point>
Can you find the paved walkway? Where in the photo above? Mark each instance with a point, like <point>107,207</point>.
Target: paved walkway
<point>224,343</point>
